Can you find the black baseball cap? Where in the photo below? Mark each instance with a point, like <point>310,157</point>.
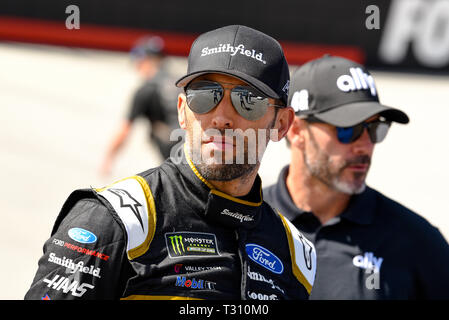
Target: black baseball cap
<point>338,91</point>
<point>242,52</point>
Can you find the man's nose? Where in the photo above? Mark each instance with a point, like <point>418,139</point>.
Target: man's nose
<point>223,114</point>
<point>363,145</point>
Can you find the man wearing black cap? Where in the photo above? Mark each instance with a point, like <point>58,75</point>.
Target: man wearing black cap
<point>196,227</point>
<point>368,246</point>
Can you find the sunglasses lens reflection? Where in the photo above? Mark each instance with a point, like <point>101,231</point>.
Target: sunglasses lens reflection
<point>249,103</point>
<point>203,96</point>
<point>378,131</point>
<point>345,135</point>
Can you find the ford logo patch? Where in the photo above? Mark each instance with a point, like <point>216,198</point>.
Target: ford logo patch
<point>82,235</point>
<point>265,258</point>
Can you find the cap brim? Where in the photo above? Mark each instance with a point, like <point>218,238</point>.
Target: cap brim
<point>354,113</point>
<point>259,85</point>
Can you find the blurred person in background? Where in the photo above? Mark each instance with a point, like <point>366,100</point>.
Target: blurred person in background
<point>368,246</point>
<point>154,100</point>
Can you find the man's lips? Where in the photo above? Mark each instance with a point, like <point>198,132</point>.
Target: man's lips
<point>363,167</point>
<point>359,164</point>
<point>219,143</point>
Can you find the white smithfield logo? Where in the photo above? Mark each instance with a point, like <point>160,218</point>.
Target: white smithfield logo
<point>256,276</point>
<point>233,50</point>
<point>358,80</point>
<point>237,215</point>
<point>73,267</point>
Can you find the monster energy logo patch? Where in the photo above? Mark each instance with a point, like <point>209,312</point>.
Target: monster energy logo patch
<point>184,243</point>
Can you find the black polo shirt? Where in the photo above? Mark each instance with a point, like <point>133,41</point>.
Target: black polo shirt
<point>376,249</point>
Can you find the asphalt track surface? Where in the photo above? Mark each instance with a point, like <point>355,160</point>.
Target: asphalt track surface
<point>59,108</point>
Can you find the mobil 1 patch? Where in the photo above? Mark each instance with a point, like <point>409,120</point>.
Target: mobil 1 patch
<point>191,244</point>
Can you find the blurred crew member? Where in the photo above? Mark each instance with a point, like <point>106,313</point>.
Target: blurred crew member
<point>154,100</point>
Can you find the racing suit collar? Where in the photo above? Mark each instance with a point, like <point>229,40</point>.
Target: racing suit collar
<point>218,206</point>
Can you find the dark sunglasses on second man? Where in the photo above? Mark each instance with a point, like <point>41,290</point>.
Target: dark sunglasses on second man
<point>204,95</point>
<point>377,130</point>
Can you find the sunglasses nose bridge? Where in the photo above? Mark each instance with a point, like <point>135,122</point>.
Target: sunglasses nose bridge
<point>363,130</point>
<point>227,93</point>
<point>365,138</point>
<point>224,113</point>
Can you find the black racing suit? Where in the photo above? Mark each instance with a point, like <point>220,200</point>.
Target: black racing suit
<point>166,234</point>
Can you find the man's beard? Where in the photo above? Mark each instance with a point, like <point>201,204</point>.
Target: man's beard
<point>326,171</point>
<point>225,172</point>
<point>216,168</point>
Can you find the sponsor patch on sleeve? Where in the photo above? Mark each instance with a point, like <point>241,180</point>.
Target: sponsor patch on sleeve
<point>133,201</point>
<point>303,255</point>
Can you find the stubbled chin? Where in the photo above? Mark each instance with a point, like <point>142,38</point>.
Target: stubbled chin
<point>353,187</point>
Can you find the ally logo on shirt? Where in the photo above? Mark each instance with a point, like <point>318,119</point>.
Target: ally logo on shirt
<point>82,235</point>
<point>264,257</point>
<point>368,261</point>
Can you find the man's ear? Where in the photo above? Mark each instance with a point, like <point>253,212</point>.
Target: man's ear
<point>182,104</point>
<point>284,120</point>
<point>296,133</point>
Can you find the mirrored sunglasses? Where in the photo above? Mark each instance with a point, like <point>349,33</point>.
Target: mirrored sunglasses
<point>203,96</point>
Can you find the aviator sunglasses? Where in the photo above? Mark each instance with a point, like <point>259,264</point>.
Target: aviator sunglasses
<point>377,130</point>
<point>203,96</point>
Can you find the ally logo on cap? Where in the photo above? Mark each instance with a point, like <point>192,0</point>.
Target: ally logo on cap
<point>358,80</point>
<point>223,48</point>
